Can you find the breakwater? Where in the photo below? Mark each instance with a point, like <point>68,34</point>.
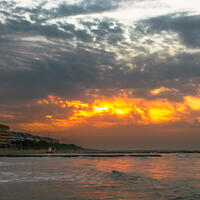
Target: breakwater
<point>80,155</point>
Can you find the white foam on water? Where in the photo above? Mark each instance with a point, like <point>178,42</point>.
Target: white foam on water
<point>2,164</point>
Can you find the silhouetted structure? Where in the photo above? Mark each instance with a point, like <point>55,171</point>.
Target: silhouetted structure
<point>22,140</point>
<point>5,137</point>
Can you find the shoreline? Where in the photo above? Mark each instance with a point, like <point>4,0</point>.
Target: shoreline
<point>86,153</point>
<point>91,151</point>
<point>78,155</point>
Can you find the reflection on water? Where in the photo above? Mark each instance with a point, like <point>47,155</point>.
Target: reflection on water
<point>166,177</point>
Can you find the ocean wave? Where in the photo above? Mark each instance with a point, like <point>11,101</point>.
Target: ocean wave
<point>117,175</point>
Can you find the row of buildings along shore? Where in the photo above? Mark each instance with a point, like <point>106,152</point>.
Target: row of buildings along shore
<point>10,138</point>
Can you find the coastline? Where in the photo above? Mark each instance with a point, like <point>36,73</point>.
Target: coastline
<point>90,153</point>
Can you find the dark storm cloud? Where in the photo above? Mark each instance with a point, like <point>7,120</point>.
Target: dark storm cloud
<point>180,72</point>
<point>24,28</point>
<point>33,70</point>
<point>15,22</point>
<point>85,7</point>
<point>71,73</point>
<point>68,64</point>
<point>41,14</point>
<point>66,74</point>
<point>187,27</point>
<point>105,29</point>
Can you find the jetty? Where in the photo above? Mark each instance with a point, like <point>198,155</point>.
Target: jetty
<point>80,155</point>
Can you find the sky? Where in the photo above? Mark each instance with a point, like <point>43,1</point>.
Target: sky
<point>106,74</point>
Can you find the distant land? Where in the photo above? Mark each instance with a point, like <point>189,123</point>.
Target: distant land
<point>23,143</point>
<point>15,140</point>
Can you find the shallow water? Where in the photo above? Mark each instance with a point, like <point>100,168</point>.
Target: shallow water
<point>171,177</point>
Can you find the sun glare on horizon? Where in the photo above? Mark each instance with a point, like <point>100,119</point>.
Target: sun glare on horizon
<point>121,110</point>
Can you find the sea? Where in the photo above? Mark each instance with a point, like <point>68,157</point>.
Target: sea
<point>172,176</point>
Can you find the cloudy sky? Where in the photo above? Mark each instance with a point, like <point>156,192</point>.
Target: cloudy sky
<point>109,74</point>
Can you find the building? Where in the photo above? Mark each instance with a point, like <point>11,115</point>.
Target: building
<point>5,137</point>
<point>4,127</point>
<point>16,136</point>
<point>49,140</point>
<point>20,139</point>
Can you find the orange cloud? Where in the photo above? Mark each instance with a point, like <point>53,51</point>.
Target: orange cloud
<point>162,90</point>
<point>104,111</point>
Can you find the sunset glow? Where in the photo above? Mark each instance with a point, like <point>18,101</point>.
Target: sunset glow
<point>123,110</point>
<point>108,91</point>
<point>116,69</point>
